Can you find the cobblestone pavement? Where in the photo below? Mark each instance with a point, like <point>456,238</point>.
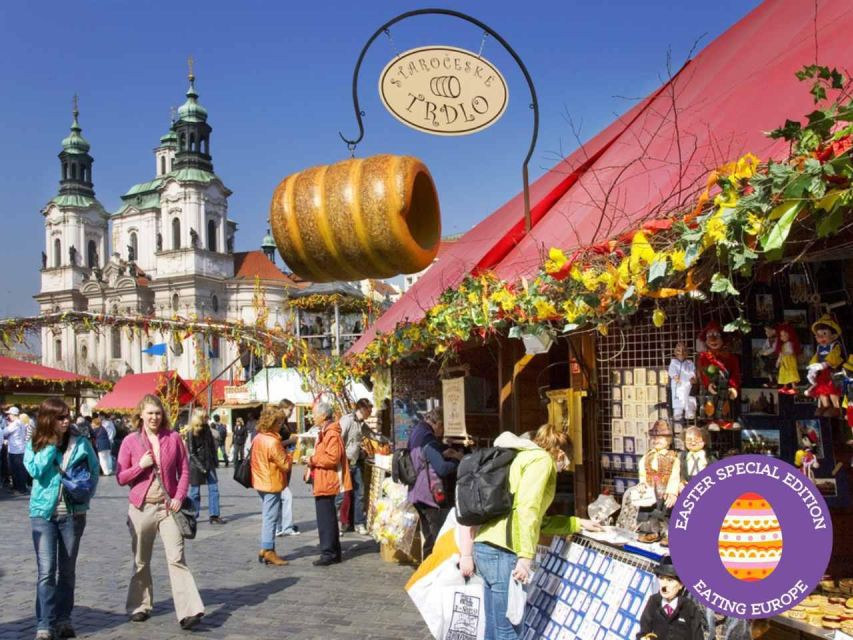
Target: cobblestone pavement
<point>362,598</point>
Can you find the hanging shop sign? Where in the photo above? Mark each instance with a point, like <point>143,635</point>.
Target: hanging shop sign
<point>238,394</point>
<point>443,90</point>
<point>453,402</point>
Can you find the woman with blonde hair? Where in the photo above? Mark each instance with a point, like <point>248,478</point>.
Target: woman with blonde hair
<point>153,461</point>
<point>269,464</point>
<point>202,450</point>
<point>496,556</point>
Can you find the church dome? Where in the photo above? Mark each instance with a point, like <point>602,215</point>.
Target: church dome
<point>169,139</point>
<point>75,142</point>
<point>268,242</point>
<point>191,110</point>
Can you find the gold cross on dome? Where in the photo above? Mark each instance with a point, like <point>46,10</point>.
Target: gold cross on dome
<point>190,65</point>
<point>74,104</point>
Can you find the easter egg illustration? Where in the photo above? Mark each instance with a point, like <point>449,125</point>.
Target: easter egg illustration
<point>750,540</point>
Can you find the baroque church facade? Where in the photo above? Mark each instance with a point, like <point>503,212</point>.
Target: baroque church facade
<point>168,251</point>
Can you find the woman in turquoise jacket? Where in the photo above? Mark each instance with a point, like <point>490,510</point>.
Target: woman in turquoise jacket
<point>57,523</point>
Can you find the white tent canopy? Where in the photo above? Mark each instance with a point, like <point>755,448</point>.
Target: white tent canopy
<point>273,384</point>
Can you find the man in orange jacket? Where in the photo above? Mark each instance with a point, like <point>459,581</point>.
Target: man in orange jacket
<point>331,476</point>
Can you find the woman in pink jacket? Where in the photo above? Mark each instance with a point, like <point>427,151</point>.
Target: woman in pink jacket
<point>154,462</point>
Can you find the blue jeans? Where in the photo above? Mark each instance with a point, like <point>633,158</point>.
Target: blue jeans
<point>56,542</point>
<point>270,507</point>
<point>357,503</point>
<point>494,566</point>
<point>212,495</point>
<point>285,513</point>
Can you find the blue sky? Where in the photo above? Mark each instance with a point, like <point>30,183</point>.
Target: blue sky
<point>276,80</point>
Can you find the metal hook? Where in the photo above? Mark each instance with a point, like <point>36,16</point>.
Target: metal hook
<point>482,44</point>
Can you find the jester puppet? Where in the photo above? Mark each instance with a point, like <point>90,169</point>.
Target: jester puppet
<point>827,359</point>
<point>719,373</point>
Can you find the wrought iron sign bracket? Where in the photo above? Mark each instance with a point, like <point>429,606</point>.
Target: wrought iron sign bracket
<point>534,103</point>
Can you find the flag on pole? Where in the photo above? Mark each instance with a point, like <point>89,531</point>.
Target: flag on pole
<point>156,349</point>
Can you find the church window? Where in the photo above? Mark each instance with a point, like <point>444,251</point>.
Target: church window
<point>176,303</point>
<point>57,253</point>
<point>176,233</point>
<point>116,342</point>
<point>84,353</point>
<point>192,142</point>
<point>91,255</point>
<point>215,304</point>
<point>65,171</point>
<point>73,170</point>
<point>183,145</point>
<point>211,235</point>
<point>214,346</point>
<point>206,143</point>
<point>162,165</point>
<point>134,247</point>
<point>57,350</point>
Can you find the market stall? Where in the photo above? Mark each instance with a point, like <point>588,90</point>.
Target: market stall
<point>26,385</point>
<point>125,396</point>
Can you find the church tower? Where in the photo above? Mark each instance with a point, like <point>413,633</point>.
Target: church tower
<point>75,226</point>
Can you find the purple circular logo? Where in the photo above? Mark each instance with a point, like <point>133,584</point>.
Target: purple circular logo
<point>738,532</point>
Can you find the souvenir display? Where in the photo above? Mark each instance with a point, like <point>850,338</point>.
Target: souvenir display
<point>659,469</point>
<point>826,360</point>
<point>806,459</point>
<point>846,379</point>
<point>682,376</point>
<point>787,351</point>
<point>584,589</point>
<point>360,218</point>
<point>719,372</point>
<point>694,459</point>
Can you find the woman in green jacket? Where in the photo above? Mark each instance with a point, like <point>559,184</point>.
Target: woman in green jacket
<point>57,523</point>
<point>503,549</point>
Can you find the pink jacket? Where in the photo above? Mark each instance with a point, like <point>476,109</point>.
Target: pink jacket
<point>174,466</point>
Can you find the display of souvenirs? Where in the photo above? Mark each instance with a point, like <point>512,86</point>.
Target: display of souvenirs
<point>694,459</point>
<point>846,379</point>
<point>659,469</point>
<point>668,614</point>
<point>787,352</point>
<point>682,376</point>
<point>395,521</point>
<point>719,373</point>
<point>767,351</point>
<point>826,360</point>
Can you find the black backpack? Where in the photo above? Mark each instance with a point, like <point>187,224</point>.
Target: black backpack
<point>482,486</point>
<point>402,468</point>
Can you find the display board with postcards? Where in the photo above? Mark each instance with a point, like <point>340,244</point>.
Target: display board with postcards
<point>638,398</point>
<point>587,590</point>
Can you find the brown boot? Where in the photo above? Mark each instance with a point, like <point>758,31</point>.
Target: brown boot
<point>271,557</point>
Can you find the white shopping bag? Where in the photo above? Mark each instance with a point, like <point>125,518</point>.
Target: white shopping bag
<point>463,612</point>
<point>516,599</point>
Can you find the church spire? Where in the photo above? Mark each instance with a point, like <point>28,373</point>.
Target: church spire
<point>75,161</point>
<point>193,131</point>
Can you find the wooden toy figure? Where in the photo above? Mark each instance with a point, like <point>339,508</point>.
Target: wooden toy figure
<point>788,350</point>
<point>670,614</point>
<point>658,469</point>
<point>845,377</point>
<point>768,350</point>
<point>827,358</point>
<point>719,373</point>
<point>682,375</point>
<point>805,457</point>
<point>694,460</point>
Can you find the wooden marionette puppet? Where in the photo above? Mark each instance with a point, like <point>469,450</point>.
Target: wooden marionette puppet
<point>719,373</point>
<point>768,350</point>
<point>805,457</point>
<point>787,351</point>
<point>682,375</point>
<point>826,360</point>
<point>845,378</point>
<point>659,469</point>
<point>694,460</point>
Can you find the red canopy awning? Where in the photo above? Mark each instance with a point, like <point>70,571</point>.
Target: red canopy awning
<point>19,369</point>
<point>128,391</point>
<point>218,387</point>
<point>648,161</point>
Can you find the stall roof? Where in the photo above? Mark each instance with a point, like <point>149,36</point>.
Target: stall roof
<point>131,388</point>
<point>14,368</point>
<point>287,383</point>
<point>648,162</point>
<point>218,391</point>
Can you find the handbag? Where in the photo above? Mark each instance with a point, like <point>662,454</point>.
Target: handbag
<point>243,470</point>
<point>76,481</point>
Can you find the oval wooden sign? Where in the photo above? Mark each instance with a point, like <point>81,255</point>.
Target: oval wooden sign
<point>444,91</point>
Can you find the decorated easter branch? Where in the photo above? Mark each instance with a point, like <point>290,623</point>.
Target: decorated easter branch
<point>749,211</point>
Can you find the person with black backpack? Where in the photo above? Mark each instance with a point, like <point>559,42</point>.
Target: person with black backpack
<point>435,465</point>
<point>505,546</point>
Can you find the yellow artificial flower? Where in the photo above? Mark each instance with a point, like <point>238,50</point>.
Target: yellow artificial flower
<point>576,274</point>
<point>678,259</point>
<point>754,224</point>
<point>727,199</point>
<point>473,298</point>
<point>589,278</point>
<point>545,309</point>
<point>642,253</point>
<point>746,167</point>
<point>504,299</point>
<point>556,261</point>
<point>715,231</point>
